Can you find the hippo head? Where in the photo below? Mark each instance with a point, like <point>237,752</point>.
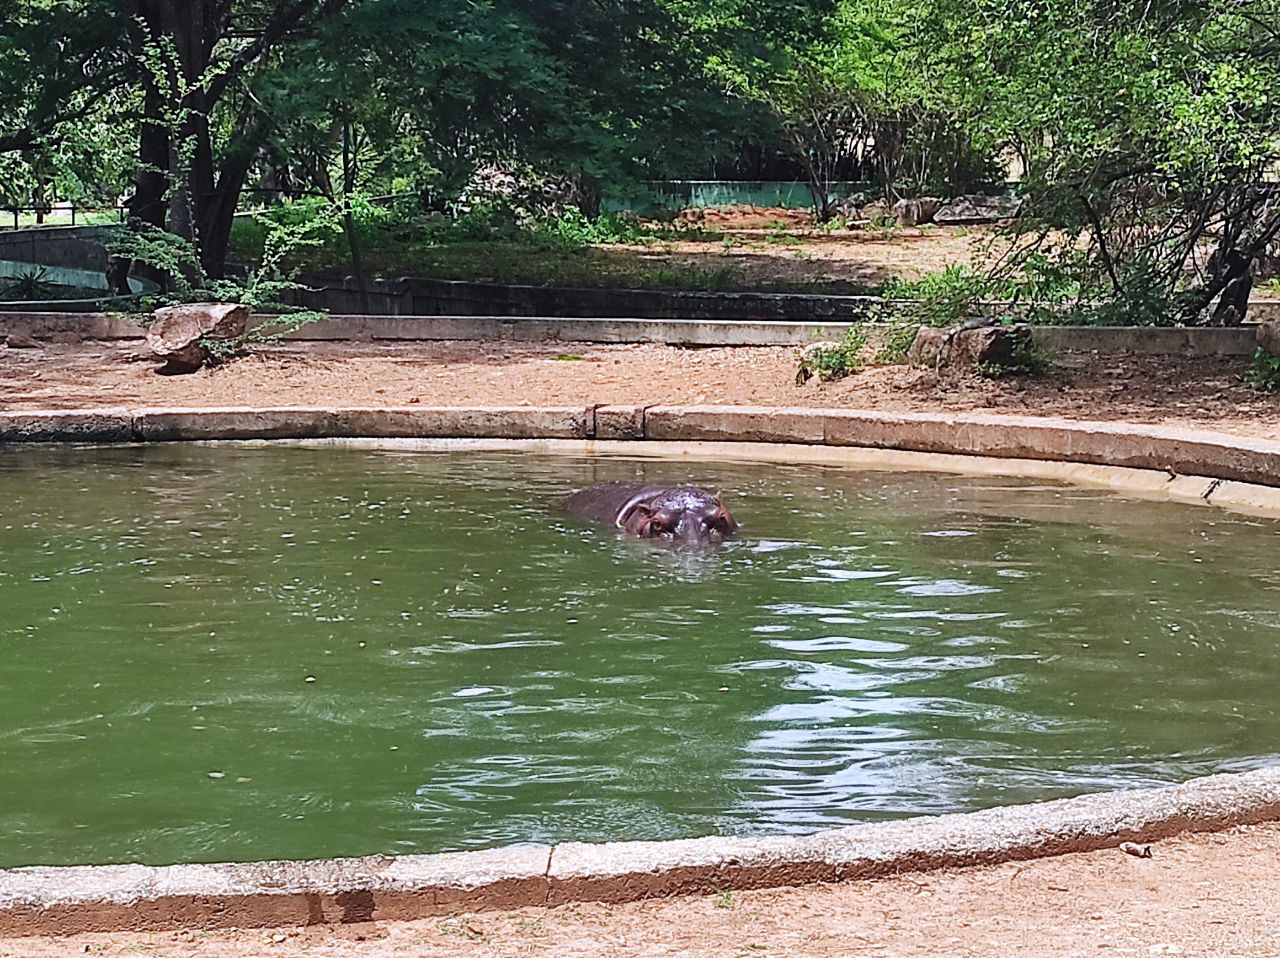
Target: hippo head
<point>687,517</point>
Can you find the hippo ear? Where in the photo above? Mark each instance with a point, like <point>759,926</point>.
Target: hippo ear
<point>636,518</point>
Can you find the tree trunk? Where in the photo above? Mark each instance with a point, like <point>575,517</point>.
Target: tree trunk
<point>348,217</point>
<point>1233,305</point>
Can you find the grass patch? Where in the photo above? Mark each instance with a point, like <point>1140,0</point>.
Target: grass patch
<point>491,244</point>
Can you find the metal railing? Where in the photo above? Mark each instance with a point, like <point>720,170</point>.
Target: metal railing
<point>60,214</point>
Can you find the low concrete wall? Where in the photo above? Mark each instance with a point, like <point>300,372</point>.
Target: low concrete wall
<point>1144,340</point>
<point>1169,454</point>
<point>421,296</point>
<point>136,897</point>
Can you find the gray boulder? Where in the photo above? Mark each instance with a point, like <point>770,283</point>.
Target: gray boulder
<point>976,208</point>
<point>917,211</point>
<point>993,347</point>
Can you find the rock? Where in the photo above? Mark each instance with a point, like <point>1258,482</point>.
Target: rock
<point>20,340</point>
<point>976,208</point>
<point>1136,850</point>
<point>917,211</point>
<point>1269,336</point>
<point>989,346</point>
<point>877,211</point>
<point>67,337</point>
<point>178,333</point>
<point>926,349</point>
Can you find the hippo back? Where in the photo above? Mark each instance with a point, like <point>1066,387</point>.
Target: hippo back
<point>604,503</point>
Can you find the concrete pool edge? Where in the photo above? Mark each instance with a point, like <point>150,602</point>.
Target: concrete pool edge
<point>71,900</point>
<point>140,898</point>
<point>1189,465</point>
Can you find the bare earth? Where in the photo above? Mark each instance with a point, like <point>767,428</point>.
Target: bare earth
<point>1172,390</point>
<point>1204,895</point>
<point>860,259</point>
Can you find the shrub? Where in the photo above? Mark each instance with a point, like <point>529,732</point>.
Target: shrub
<point>834,361</point>
<point>1264,375</point>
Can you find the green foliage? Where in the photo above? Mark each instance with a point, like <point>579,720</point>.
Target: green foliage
<point>263,288</point>
<point>1264,374</point>
<point>31,284</point>
<point>490,241</point>
<point>1147,132</point>
<point>833,362</point>
<point>897,342</point>
<point>937,299</point>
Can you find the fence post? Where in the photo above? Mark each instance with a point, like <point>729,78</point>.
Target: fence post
<point>73,214</point>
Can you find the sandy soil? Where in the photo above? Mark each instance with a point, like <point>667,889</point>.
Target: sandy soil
<point>1179,391</point>
<point>1205,895</point>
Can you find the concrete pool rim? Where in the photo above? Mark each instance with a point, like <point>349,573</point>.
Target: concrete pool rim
<point>1202,466</point>
<point>1147,461</point>
<point>70,900</point>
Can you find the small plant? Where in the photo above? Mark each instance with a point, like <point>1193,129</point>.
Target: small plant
<point>1264,374</point>
<point>938,299</point>
<point>831,361</point>
<point>724,898</point>
<point>897,342</point>
<point>262,289</point>
<point>31,284</point>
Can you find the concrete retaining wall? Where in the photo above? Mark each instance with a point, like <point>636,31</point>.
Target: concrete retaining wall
<point>421,296</point>
<point>135,897</point>
<point>1169,453</point>
<point>679,332</point>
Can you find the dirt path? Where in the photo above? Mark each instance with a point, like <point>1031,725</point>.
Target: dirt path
<point>1172,390</point>
<point>1204,895</point>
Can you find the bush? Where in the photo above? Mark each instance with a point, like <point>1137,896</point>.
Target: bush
<point>834,361</point>
<point>1264,375</point>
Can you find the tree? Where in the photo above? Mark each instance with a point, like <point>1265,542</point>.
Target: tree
<point>1148,133</point>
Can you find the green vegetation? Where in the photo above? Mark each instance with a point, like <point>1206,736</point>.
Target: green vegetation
<point>494,242</point>
<point>834,361</point>
<point>1264,375</point>
<point>1144,135</point>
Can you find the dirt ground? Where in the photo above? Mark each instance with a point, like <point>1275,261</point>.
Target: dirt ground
<point>1204,895</point>
<point>862,259</point>
<point>1171,390</point>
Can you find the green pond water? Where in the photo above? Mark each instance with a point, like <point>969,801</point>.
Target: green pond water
<point>243,653</point>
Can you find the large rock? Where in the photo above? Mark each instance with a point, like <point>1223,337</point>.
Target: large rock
<point>1269,336</point>
<point>990,347</point>
<point>179,334</point>
<point>976,208</point>
<point>917,211</point>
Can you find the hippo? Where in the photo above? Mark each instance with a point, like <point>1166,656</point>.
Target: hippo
<point>685,516</point>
